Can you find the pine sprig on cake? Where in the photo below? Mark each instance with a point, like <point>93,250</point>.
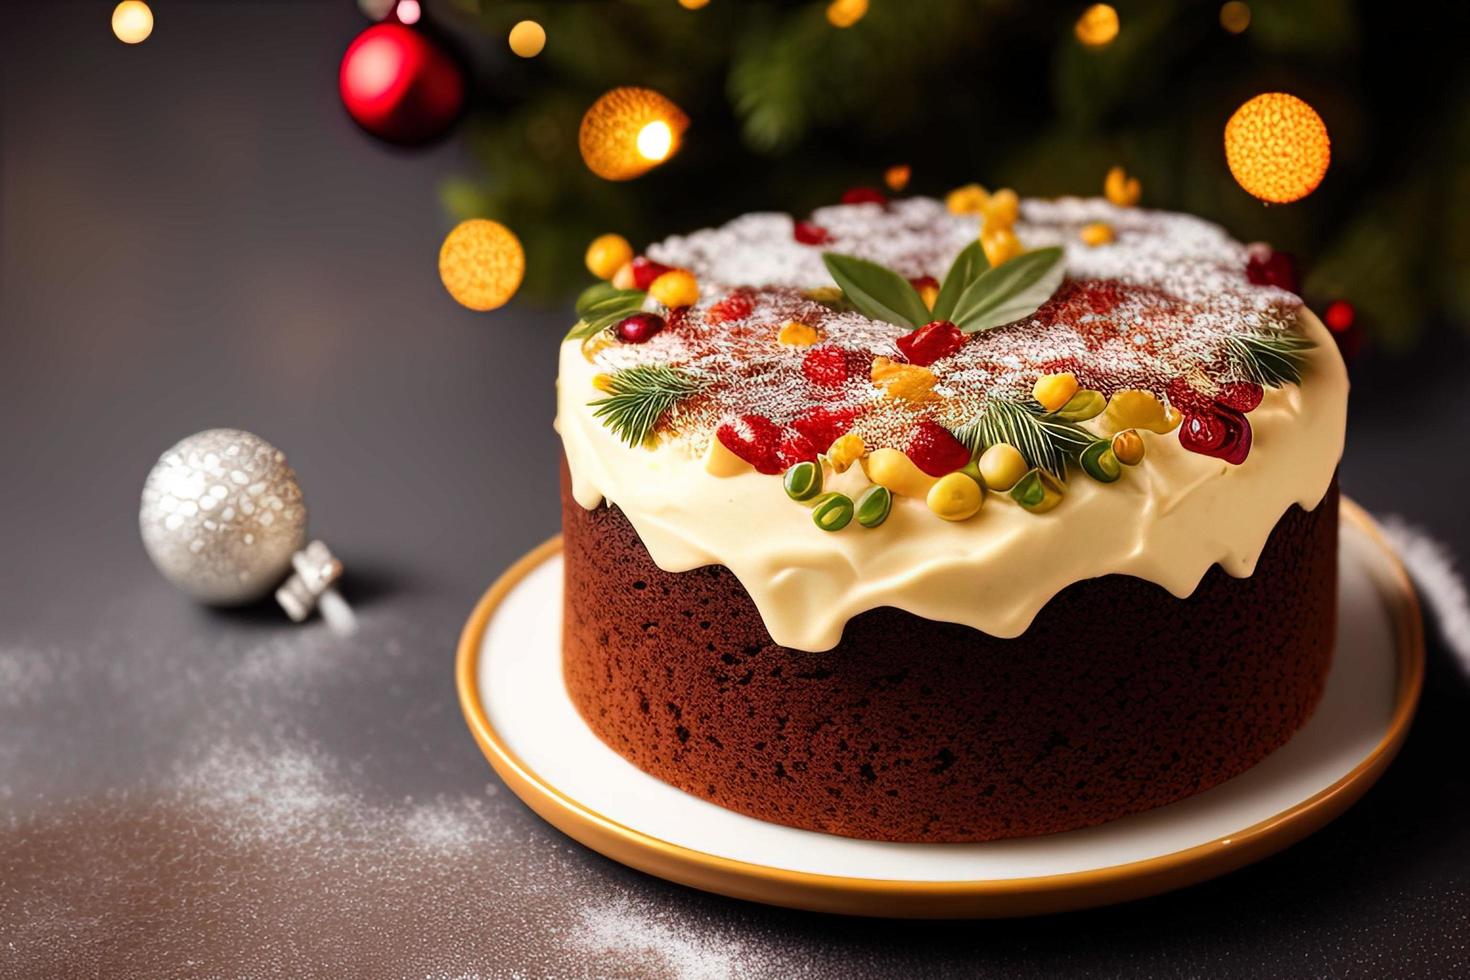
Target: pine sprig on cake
<point>1268,357</point>
<point>639,396</point>
<point>1046,442</point>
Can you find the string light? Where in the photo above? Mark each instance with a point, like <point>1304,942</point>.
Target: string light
<point>527,38</point>
<point>845,13</point>
<point>482,264</point>
<point>1235,16</point>
<point>629,131</point>
<point>132,21</point>
<point>1277,147</point>
<point>1098,25</point>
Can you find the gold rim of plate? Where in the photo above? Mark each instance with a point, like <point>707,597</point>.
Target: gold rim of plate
<point>950,899</point>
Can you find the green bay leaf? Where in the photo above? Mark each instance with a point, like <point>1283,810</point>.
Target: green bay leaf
<point>877,292</point>
<point>1010,291</point>
<point>967,267</point>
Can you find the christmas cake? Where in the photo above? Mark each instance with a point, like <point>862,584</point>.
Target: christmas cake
<point>879,528</point>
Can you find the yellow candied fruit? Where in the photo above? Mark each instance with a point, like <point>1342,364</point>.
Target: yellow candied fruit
<point>1054,390</point>
<point>1127,446</point>
<point>607,254</point>
<point>903,381</point>
<point>999,244</point>
<point>892,469</point>
<point>1122,189</point>
<point>798,334</point>
<point>719,461</point>
<point>625,278</point>
<point>845,451</point>
<point>1135,409</point>
<point>1001,466</point>
<point>1003,208</point>
<point>603,382</point>
<point>1097,233</point>
<point>928,292</point>
<point>897,176</point>
<point>955,497</point>
<point>970,199</point>
<point>675,288</point>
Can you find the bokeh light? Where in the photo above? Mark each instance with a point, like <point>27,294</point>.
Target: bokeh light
<point>1277,147</point>
<point>527,38</point>
<point>1235,16</point>
<point>845,13</point>
<point>629,131</point>
<point>132,21</point>
<point>693,4</point>
<point>482,264</point>
<point>1098,25</point>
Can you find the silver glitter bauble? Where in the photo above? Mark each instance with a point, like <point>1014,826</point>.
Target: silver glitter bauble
<point>222,515</point>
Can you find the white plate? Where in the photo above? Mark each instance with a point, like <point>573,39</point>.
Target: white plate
<point>515,699</point>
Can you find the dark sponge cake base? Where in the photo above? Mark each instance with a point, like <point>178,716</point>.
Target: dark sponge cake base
<point>1119,698</point>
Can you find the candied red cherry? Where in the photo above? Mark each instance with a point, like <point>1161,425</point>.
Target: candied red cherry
<point>1223,433</point>
<point>822,425</point>
<point>1266,267</point>
<point>645,271</point>
<point>1242,396</point>
<point>864,195</point>
<point>935,451</point>
<point>826,366</point>
<point>795,448</point>
<point>736,306</point>
<point>931,342</point>
<point>755,439</point>
<point>639,328</point>
<point>810,234</point>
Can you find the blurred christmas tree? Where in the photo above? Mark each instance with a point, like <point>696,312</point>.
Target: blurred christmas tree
<point>788,111</point>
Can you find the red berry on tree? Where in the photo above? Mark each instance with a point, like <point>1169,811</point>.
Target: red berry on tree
<point>810,234</point>
<point>645,271</point>
<point>639,328</point>
<point>935,450</point>
<point>755,439</point>
<point>823,425</point>
<point>931,342</point>
<point>826,366</point>
<point>864,195</point>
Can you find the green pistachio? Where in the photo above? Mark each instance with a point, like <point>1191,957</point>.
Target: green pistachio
<point>873,505</point>
<point>1099,462</point>
<point>832,511</point>
<point>1038,491</point>
<point>1086,404</point>
<point>803,481</point>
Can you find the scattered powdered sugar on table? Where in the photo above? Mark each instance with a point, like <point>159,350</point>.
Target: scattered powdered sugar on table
<point>1159,303</point>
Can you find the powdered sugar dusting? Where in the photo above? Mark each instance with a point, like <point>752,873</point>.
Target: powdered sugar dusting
<point>1157,304</point>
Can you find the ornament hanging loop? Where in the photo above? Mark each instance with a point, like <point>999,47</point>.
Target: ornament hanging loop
<point>312,585</point>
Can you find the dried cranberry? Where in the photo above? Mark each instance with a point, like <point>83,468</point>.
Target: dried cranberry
<point>931,342</point>
<point>639,328</point>
<point>755,439</point>
<point>1266,267</point>
<point>935,451</point>
<point>823,425</point>
<point>826,366</point>
<point>1242,396</point>
<point>1223,433</point>
<point>864,195</point>
<point>810,234</point>
<point>736,306</point>
<point>645,271</point>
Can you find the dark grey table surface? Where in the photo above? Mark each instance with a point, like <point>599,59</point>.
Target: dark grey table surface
<point>193,236</point>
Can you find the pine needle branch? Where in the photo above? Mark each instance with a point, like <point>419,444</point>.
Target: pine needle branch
<point>1044,441</point>
<point>639,396</point>
<point>1268,357</point>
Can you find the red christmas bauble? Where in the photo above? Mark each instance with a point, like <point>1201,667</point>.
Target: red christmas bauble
<point>399,85</point>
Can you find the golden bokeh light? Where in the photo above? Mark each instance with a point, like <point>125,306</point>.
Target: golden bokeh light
<point>845,13</point>
<point>132,21</point>
<point>693,4</point>
<point>1277,147</point>
<point>527,38</point>
<point>629,131</point>
<point>1235,16</point>
<point>1098,25</point>
<point>897,176</point>
<point>482,264</point>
